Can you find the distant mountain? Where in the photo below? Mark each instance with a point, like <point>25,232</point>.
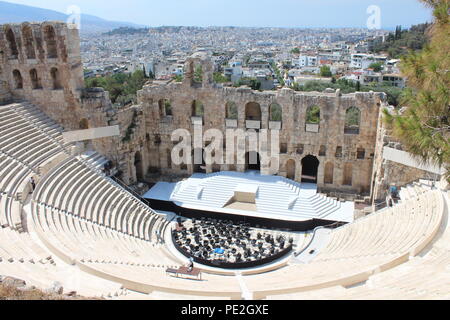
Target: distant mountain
<point>13,13</point>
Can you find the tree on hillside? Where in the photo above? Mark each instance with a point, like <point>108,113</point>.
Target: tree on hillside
<point>376,66</point>
<point>424,127</point>
<point>325,71</point>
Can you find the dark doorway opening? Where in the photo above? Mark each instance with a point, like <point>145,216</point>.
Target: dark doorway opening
<point>310,167</point>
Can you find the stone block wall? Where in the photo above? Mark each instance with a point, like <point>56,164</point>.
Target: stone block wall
<point>41,63</point>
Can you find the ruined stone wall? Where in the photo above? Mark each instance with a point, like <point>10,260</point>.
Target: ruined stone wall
<point>155,138</point>
<point>41,63</point>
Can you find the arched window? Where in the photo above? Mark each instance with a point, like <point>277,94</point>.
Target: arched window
<point>329,172</point>
<point>348,174</point>
<point>56,80</point>
<point>231,110</point>
<point>18,82</point>
<point>313,115</point>
<point>253,111</point>
<point>352,120</point>
<point>165,107</point>
<point>50,40</point>
<point>312,119</point>
<point>27,35</point>
<point>197,109</point>
<point>197,73</point>
<point>35,81</point>
<point>275,112</point>
<point>11,38</point>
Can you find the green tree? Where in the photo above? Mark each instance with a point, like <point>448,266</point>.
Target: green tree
<point>295,51</point>
<point>325,71</point>
<point>424,127</point>
<point>198,74</point>
<point>376,66</point>
<point>219,77</point>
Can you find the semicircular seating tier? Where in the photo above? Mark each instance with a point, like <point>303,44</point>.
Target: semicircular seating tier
<point>29,139</point>
<point>85,216</point>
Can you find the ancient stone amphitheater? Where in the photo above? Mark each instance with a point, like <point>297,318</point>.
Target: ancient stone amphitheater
<point>82,229</point>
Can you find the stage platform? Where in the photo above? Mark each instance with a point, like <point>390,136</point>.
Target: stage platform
<point>251,195</point>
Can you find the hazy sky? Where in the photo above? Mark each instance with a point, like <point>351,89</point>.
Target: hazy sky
<point>258,13</point>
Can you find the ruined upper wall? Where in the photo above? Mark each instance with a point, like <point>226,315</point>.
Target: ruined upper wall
<point>41,62</point>
<point>346,158</point>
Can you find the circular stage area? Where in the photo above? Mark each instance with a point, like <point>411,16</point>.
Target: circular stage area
<point>227,245</point>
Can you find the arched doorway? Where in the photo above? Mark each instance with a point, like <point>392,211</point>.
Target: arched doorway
<point>253,161</point>
<point>310,167</point>
<point>290,169</point>
<point>139,166</point>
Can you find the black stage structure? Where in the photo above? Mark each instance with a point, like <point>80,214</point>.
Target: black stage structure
<point>262,222</point>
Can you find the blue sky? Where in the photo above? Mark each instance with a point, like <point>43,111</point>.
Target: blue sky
<point>256,13</point>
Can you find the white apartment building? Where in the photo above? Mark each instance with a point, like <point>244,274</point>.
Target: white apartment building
<point>305,61</point>
<point>363,61</point>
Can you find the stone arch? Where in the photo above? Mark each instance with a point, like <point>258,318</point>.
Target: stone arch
<point>84,124</point>
<point>231,110</point>
<point>35,80</point>
<point>139,166</point>
<point>253,111</point>
<point>50,40</point>
<point>310,168</point>
<point>198,110</point>
<point>348,174</point>
<point>12,44</point>
<point>56,78</point>
<point>329,173</point>
<point>290,169</point>
<point>18,81</point>
<point>352,120</point>
<point>28,41</point>
<point>275,112</point>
